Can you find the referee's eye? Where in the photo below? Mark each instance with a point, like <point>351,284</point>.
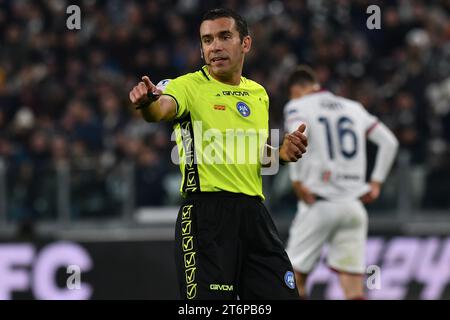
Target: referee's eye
<point>206,40</point>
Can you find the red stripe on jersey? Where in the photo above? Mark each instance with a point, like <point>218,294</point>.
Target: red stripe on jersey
<point>371,128</point>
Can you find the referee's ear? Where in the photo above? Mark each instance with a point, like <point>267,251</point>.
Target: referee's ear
<point>202,56</point>
<point>246,44</point>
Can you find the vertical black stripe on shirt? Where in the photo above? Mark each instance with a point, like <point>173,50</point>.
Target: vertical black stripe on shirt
<point>191,181</point>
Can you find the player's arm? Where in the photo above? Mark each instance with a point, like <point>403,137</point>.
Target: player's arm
<point>297,174</point>
<point>387,149</point>
<point>153,105</point>
<point>303,193</point>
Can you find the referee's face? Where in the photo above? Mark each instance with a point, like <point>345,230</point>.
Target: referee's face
<point>223,49</point>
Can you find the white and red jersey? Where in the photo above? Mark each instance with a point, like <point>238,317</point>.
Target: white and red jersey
<point>334,165</point>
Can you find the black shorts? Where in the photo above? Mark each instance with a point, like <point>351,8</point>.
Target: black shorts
<point>227,246</point>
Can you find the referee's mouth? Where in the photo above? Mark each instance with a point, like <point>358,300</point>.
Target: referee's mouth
<point>218,59</point>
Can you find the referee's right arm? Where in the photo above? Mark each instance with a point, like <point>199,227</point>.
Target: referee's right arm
<point>156,108</point>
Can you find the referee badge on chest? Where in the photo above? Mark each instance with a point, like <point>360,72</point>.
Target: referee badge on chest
<point>243,109</point>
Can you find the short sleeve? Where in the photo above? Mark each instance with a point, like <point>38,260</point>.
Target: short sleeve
<point>294,171</point>
<point>266,100</point>
<point>293,118</point>
<point>179,90</point>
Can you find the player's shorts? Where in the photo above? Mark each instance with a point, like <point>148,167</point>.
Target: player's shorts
<point>343,225</point>
<point>227,247</point>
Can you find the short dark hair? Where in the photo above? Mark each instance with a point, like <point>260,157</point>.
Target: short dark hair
<point>241,24</point>
<point>303,75</point>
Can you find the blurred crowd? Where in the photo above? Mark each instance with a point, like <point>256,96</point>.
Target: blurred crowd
<point>64,93</point>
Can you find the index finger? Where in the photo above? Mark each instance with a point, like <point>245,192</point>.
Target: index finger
<point>148,83</point>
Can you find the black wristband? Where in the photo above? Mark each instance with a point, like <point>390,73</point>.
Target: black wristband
<point>152,97</point>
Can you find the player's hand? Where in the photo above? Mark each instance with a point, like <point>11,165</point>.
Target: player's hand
<point>373,193</point>
<point>305,194</point>
<point>294,145</point>
<point>139,94</point>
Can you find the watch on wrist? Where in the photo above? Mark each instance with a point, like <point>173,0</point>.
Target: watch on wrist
<point>151,98</point>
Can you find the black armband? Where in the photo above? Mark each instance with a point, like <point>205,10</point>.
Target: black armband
<point>151,98</point>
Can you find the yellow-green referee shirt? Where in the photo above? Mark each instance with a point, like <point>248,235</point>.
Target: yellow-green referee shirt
<point>220,131</point>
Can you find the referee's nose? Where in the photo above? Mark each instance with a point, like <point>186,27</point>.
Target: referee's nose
<point>216,45</point>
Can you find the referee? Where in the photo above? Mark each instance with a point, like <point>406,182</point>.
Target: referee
<point>227,245</point>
